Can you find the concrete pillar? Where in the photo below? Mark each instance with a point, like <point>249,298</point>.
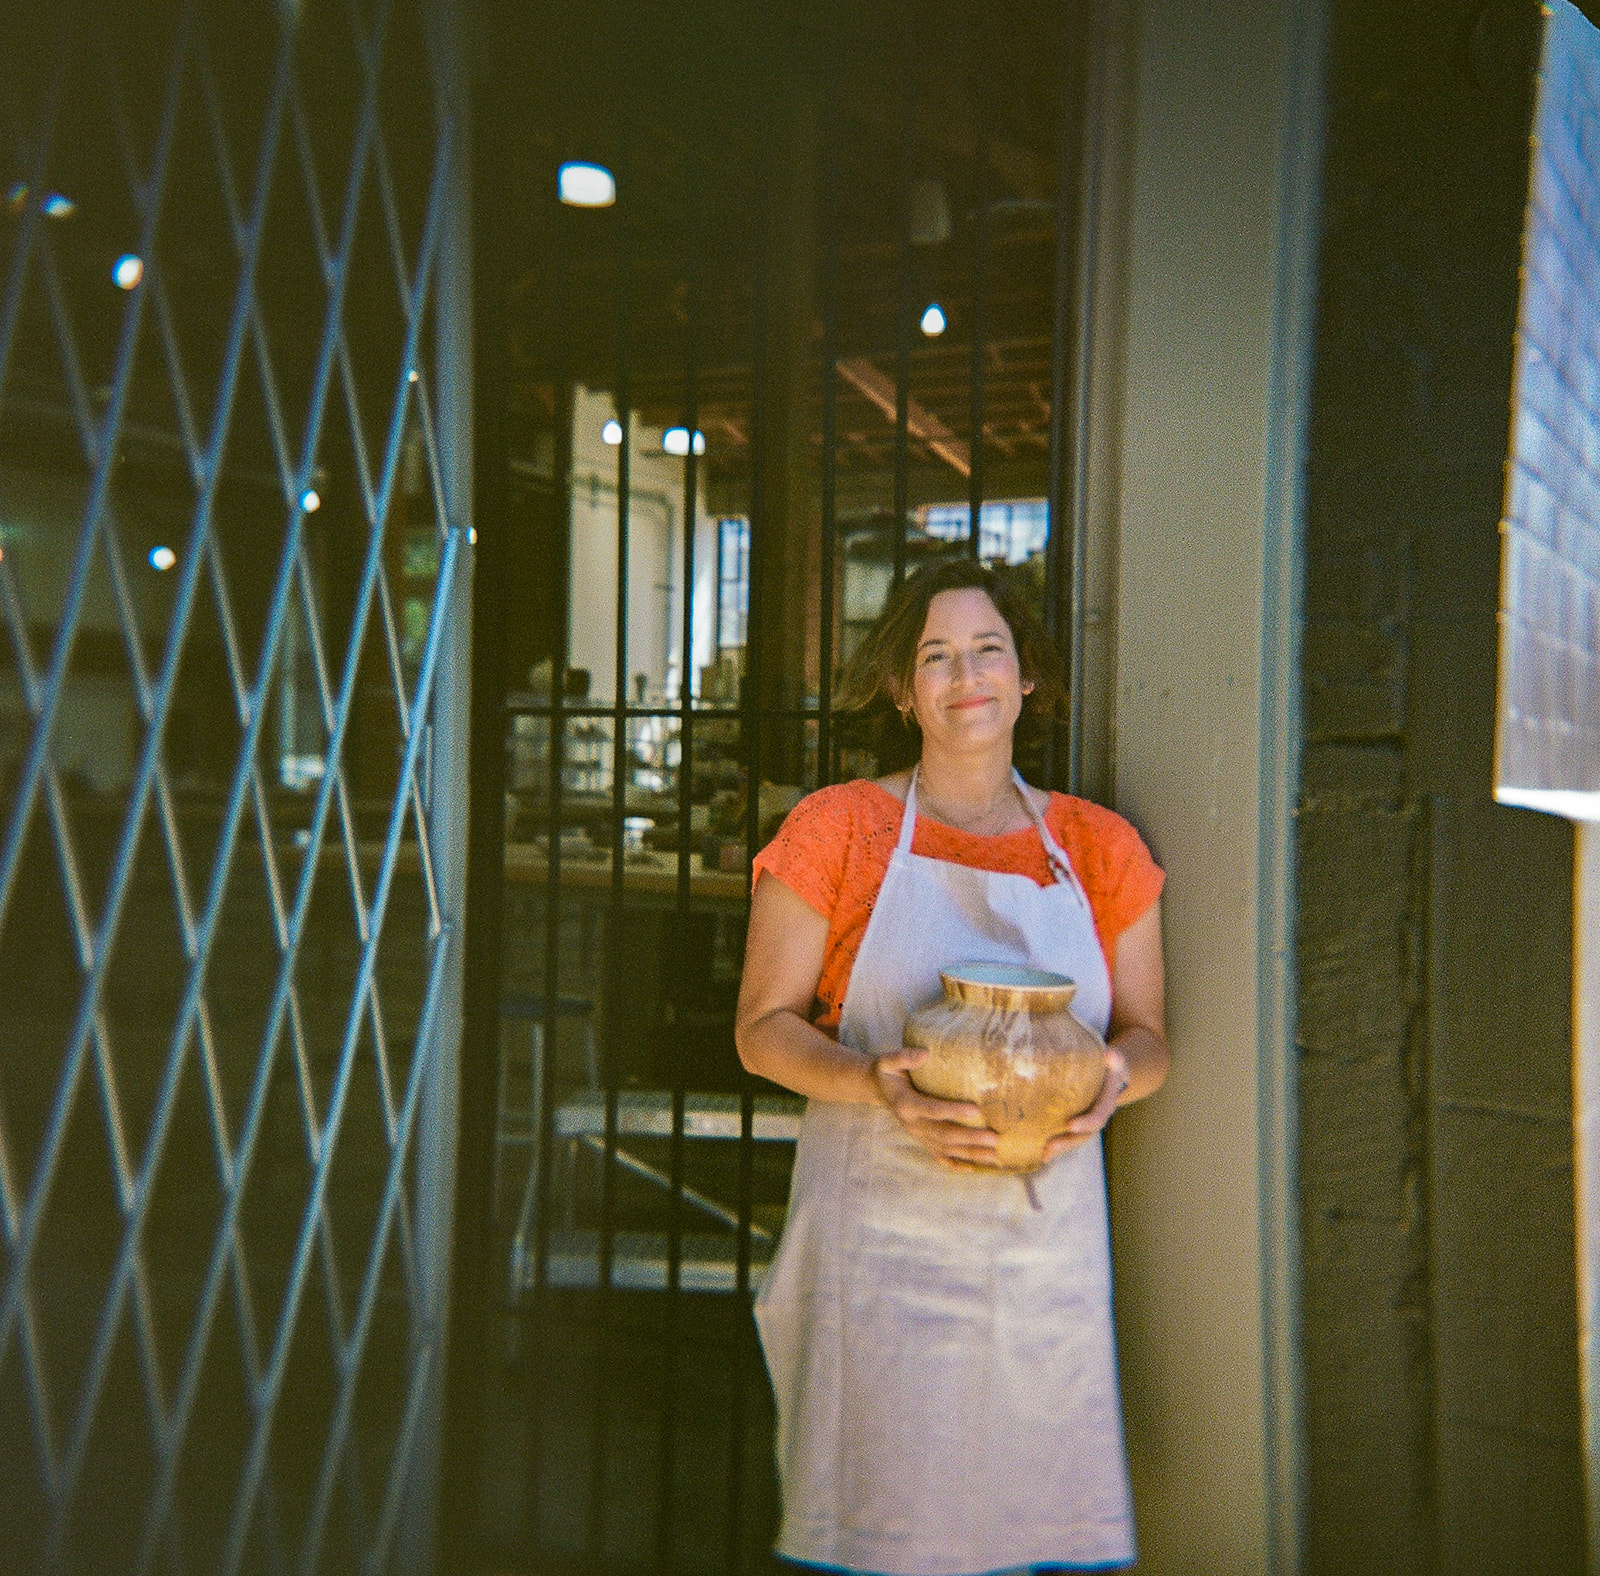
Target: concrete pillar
<point>1218,246</point>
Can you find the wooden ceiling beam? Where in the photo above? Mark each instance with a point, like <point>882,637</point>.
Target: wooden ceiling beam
<point>921,423</point>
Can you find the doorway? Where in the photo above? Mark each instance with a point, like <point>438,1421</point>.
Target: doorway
<point>814,331</point>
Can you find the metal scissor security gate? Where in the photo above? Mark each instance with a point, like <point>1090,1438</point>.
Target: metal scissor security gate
<point>232,572</point>
<point>824,333</point>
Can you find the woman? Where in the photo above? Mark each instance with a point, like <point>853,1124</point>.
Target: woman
<point>940,1347</point>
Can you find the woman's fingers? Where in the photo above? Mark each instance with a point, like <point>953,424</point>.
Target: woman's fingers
<point>961,1136</point>
<point>930,1108</point>
<point>962,1165</point>
<point>954,1149</point>
<point>962,1123</point>
<point>895,1064</point>
<point>953,1131</point>
<point>907,1056</point>
<point>1064,1143</point>
<point>1098,1114</point>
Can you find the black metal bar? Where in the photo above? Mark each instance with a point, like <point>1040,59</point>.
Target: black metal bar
<point>595,1529</point>
<point>545,1040</point>
<point>679,1037</point>
<point>609,1070</point>
<point>1063,337</point>
<point>552,908</point>
<point>691,482</point>
<point>978,96</point>
<point>750,738</point>
<point>751,711</point>
<point>673,1336</point>
<point>675,1171</point>
<point>738,1361</point>
<point>830,423</point>
<point>555,270</point>
<point>1086,223</point>
<point>718,569</point>
<point>747,1155</point>
<point>903,308</point>
<point>620,753</point>
<point>473,1299</point>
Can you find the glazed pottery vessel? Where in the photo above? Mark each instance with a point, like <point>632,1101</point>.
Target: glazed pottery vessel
<point>1004,1038</point>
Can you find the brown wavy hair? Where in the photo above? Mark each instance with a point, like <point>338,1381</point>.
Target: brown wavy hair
<point>880,673</point>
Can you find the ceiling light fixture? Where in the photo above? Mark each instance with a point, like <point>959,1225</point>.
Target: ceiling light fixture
<point>58,207</point>
<point>675,440</point>
<point>582,185</point>
<point>933,322</point>
<point>127,271</point>
<point>611,433</point>
<point>162,559</point>
<point>311,500</point>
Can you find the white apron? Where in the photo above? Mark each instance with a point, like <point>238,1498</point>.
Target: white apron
<point>941,1351</point>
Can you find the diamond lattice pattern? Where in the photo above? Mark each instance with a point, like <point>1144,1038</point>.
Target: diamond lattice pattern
<point>226,579</point>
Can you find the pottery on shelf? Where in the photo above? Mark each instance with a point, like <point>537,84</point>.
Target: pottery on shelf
<point>1004,1038</point>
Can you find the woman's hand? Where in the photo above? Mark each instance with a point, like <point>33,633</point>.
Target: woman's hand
<point>1082,1128</point>
<point>1137,1057</point>
<point>952,1131</point>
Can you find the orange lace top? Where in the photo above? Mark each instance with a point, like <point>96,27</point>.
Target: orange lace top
<point>833,850</point>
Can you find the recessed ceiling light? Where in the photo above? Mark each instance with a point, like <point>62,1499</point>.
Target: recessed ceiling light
<point>311,500</point>
<point>611,433</point>
<point>16,198</point>
<point>933,324</point>
<point>586,185</point>
<point>675,440</point>
<point>127,271</point>
<point>58,207</point>
<point>162,559</point>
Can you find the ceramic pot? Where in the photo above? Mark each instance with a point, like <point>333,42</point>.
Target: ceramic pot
<point>1004,1038</point>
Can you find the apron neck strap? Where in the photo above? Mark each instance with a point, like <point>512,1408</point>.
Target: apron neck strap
<point>1060,865</point>
<point>908,821</point>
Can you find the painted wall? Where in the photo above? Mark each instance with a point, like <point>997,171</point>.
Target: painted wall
<point>1216,257</point>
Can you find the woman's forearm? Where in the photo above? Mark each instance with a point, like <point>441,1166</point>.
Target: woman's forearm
<point>1148,1060</point>
<point>781,1046</point>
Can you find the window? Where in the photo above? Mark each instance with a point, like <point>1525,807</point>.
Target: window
<point>1009,530</point>
<point>733,581</point>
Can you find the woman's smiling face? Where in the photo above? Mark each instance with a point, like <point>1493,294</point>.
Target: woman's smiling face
<point>967,685</point>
